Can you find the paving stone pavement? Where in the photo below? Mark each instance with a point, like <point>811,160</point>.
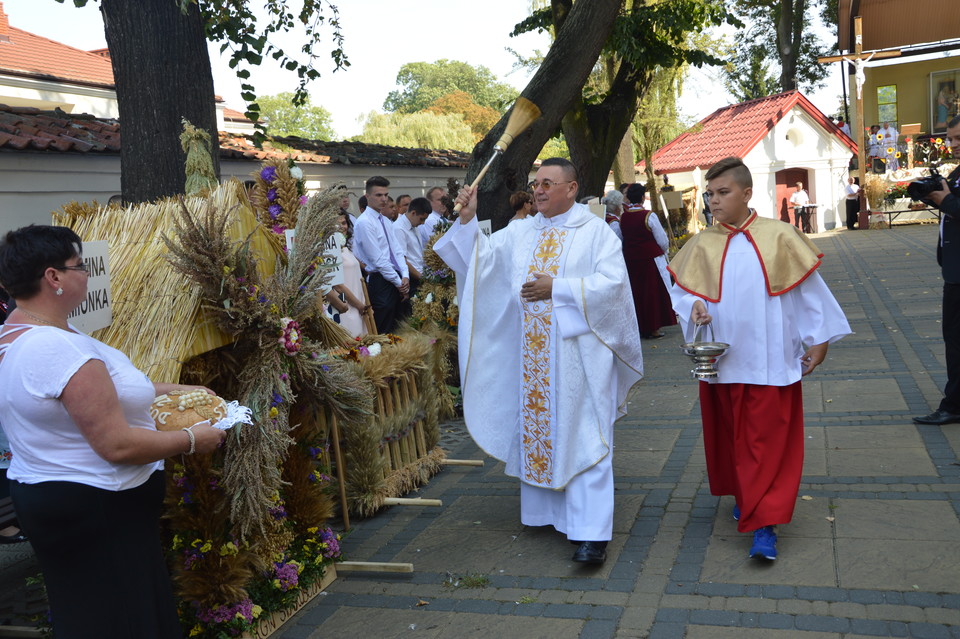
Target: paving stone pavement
<point>872,550</point>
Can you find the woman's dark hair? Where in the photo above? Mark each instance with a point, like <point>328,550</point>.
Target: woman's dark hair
<point>349,228</point>
<point>518,199</point>
<point>29,251</point>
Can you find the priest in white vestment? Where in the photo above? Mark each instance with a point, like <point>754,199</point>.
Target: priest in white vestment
<point>549,348</point>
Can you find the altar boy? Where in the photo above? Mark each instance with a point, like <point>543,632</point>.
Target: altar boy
<point>755,280</point>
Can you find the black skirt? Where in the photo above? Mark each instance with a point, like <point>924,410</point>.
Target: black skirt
<point>101,558</point>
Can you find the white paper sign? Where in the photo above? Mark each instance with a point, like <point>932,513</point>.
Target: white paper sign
<point>333,257</point>
<point>486,227</point>
<point>95,312</point>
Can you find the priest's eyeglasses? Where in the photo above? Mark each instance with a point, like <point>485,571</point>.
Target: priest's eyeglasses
<point>546,184</point>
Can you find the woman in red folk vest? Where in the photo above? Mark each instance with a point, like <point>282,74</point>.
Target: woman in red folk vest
<point>644,241</point>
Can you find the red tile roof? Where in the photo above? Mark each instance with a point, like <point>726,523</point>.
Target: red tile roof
<point>29,129</point>
<point>33,56</point>
<point>735,130</point>
<point>233,115</point>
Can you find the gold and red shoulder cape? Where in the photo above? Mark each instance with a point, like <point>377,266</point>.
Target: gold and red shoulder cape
<point>786,256</point>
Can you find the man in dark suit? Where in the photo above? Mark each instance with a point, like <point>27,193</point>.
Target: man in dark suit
<point>948,256</point>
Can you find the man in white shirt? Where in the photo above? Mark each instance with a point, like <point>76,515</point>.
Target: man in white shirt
<point>888,146</point>
<point>403,201</point>
<point>406,229</point>
<point>852,194</point>
<point>376,245</point>
<point>435,197</point>
<point>799,201</point>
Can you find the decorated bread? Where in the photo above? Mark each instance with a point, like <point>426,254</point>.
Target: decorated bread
<point>182,409</point>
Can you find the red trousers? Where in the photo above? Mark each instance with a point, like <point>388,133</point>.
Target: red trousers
<point>753,439</point>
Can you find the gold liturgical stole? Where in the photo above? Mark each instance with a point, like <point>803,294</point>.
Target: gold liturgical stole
<point>787,257</point>
<point>536,407</point>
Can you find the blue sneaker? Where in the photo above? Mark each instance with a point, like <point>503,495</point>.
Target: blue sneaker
<point>736,512</point>
<point>764,543</point>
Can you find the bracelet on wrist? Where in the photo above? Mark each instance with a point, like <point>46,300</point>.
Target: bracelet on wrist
<point>193,441</point>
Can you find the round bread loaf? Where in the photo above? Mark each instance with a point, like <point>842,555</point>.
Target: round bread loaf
<point>181,409</point>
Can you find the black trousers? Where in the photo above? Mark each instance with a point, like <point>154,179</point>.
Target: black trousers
<point>385,300</point>
<point>951,342</point>
<point>101,558</point>
<point>853,213</point>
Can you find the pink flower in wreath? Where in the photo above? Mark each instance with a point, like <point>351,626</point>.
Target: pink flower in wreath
<point>290,338</point>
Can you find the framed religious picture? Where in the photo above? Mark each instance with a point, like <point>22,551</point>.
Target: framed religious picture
<point>944,100</point>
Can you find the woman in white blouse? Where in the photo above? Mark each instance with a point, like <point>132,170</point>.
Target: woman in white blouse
<point>87,466</point>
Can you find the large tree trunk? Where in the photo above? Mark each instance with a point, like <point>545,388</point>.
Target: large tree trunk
<point>789,33</point>
<point>554,88</point>
<point>162,72</point>
<point>624,165</point>
<point>596,146</point>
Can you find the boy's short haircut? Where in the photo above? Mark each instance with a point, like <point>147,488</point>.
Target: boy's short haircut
<point>420,205</point>
<point>636,193</point>
<point>740,173</point>
<point>376,180</point>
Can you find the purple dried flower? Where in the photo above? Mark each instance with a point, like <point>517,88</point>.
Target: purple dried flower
<point>287,575</point>
<point>275,211</point>
<point>268,173</point>
<point>271,195</point>
<point>329,538</point>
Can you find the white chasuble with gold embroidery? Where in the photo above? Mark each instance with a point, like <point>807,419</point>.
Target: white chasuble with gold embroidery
<point>539,379</point>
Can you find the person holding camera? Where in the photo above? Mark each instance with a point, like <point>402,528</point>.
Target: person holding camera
<point>947,199</point>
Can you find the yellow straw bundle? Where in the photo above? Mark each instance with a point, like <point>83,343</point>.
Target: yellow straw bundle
<point>157,317</point>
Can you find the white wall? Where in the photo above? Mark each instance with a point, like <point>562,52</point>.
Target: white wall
<point>33,185</point>
<point>798,142</point>
<point>40,94</point>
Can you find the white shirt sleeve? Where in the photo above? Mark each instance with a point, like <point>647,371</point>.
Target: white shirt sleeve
<point>370,245</point>
<point>653,220</point>
<point>615,225</point>
<point>399,252</point>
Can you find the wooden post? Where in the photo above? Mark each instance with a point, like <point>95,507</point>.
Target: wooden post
<point>859,58</point>
<point>341,471</point>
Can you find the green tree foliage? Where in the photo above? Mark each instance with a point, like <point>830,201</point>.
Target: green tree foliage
<point>418,130</point>
<point>151,48</point>
<point>784,30</point>
<point>556,147</point>
<point>648,37</point>
<point>284,117</point>
<point>480,118</point>
<point>748,76</point>
<point>423,82</point>
<point>246,33</point>
<point>657,121</point>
